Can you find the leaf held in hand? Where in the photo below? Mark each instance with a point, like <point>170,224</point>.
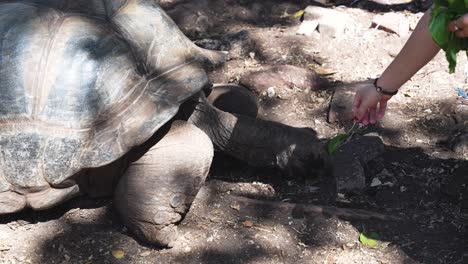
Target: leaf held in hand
<point>442,13</point>
<point>336,142</point>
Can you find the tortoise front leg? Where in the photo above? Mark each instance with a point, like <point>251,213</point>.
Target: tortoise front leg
<point>157,190</point>
<point>233,99</point>
<point>261,143</point>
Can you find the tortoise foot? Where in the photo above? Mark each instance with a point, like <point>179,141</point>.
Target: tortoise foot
<point>157,190</point>
<point>11,202</point>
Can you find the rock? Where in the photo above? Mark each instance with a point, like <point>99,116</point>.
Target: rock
<point>459,144</point>
<point>239,44</point>
<point>461,113</point>
<point>331,22</point>
<point>282,77</point>
<point>393,23</point>
<point>169,3</point>
<point>191,21</point>
<point>350,160</point>
<point>375,182</point>
<point>271,92</point>
<point>211,44</point>
<point>307,27</point>
<point>392,2</point>
<point>342,101</point>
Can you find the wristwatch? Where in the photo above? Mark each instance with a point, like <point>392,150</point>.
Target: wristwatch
<point>381,90</point>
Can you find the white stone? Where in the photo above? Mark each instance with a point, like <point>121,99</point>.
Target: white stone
<point>392,22</point>
<point>307,27</point>
<point>271,92</point>
<point>375,182</point>
<point>331,22</point>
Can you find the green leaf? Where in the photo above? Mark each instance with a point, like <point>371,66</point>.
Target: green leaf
<point>369,240</point>
<point>456,4</point>
<point>442,13</point>
<point>336,142</point>
<point>438,27</point>
<point>440,2</point>
<point>451,52</point>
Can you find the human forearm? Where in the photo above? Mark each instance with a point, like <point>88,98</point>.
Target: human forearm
<point>417,52</point>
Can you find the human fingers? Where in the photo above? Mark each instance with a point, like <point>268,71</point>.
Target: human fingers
<point>462,33</point>
<point>458,24</point>
<point>361,110</point>
<point>357,102</point>
<point>382,109</point>
<point>372,118</point>
<point>365,118</point>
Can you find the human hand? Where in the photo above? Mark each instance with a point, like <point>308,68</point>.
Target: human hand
<point>369,105</point>
<point>459,26</point>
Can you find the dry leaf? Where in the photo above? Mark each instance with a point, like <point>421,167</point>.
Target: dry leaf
<point>118,253</point>
<point>235,206</point>
<point>217,212</point>
<point>247,223</point>
<point>298,13</point>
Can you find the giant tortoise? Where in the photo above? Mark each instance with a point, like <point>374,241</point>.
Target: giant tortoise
<point>109,94</point>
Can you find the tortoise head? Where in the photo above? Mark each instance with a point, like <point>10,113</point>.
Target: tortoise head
<point>306,157</point>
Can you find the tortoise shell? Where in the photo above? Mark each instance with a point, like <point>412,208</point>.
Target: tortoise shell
<point>80,89</point>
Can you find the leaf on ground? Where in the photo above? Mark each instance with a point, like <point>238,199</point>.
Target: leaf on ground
<point>247,223</point>
<point>322,70</point>
<point>118,253</point>
<point>217,212</point>
<point>298,14</point>
<point>369,240</point>
<point>235,206</point>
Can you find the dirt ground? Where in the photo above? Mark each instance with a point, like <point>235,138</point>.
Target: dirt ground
<point>423,170</point>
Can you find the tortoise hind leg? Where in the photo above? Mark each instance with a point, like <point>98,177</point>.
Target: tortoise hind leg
<point>157,190</point>
<point>51,197</point>
<point>11,202</point>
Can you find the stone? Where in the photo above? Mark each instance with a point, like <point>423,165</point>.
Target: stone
<point>211,44</point>
<point>331,22</point>
<point>169,3</point>
<point>351,159</point>
<point>282,77</point>
<point>307,27</point>
<point>191,21</point>
<point>375,182</point>
<point>342,101</point>
<point>239,45</point>
<point>392,22</point>
<point>271,92</point>
<point>392,2</point>
<point>459,144</point>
